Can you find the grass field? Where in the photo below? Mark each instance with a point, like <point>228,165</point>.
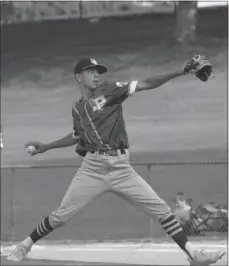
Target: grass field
<point>183,120</point>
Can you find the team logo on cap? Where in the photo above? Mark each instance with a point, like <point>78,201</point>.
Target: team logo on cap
<point>121,84</point>
<point>93,61</point>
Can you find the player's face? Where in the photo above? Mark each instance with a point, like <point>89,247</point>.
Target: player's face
<point>90,78</point>
<point>181,203</point>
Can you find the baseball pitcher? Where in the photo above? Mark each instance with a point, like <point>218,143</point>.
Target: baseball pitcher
<point>101,139</point>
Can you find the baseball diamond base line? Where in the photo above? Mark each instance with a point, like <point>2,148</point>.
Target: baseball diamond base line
<point>114,253</point>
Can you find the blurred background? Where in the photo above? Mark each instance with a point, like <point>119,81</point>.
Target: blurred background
<point>177,133</point>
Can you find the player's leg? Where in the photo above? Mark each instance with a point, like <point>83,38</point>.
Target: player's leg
<point>87,184</point>
<point>138,192</point>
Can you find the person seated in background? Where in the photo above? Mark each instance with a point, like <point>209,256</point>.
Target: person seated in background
<point>186,215</point>
<point>182,210</point>
<point>224,209</point>
<point>214,216</point>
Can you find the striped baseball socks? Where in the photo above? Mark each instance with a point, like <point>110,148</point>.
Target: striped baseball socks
<point>43,229</point>
<point>174,230</point>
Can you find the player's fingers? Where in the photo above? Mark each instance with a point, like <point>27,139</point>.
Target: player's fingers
<point>34,153</point>
<point>32,150</point>
<point>30,143</point>
<point>34,144</point>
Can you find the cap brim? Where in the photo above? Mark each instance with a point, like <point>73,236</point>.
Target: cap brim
<point>101,68</point>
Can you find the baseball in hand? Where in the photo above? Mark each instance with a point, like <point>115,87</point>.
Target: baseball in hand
<point>31,149</point>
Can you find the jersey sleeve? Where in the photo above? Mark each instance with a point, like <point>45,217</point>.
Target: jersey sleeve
<point>119,91</point>
<point>127,87</point>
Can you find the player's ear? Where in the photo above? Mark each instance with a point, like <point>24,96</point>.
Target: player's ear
<point>78,77</point>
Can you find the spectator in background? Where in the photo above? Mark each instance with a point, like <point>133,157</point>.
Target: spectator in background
<point>186,215</point>
<point>183,208</point>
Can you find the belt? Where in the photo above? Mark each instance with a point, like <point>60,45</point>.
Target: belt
<point>111,152</point>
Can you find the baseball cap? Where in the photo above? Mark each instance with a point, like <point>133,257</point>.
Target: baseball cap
<point>180,196</point>
<point>89,63</point>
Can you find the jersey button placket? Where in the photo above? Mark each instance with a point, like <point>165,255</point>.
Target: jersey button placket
<point>110,167</point>
<point>107,167</point>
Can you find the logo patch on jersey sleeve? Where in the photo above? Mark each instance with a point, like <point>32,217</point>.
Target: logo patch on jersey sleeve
<point>121,84</point>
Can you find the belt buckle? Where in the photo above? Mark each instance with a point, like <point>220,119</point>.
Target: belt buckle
<point>103,153</point>
<point>116,152</point>
<point>108,154</point>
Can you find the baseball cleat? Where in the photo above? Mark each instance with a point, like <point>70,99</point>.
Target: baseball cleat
<point>202,258</point>
<point>19,253</point>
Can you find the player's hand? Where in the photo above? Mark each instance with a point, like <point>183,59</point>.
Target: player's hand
<point>35,147</point>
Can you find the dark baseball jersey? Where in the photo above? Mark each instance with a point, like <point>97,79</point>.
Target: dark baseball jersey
<point>99,121</point>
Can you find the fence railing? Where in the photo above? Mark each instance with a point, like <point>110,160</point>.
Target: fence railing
<point>16,12</point>
<point>19,193</point>
<point>66,165</point>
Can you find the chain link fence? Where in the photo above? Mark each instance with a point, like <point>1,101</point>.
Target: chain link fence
<point>29,192</point>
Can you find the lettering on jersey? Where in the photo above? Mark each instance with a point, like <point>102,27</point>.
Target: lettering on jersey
<point>121,84</point>
<point>98,103</point>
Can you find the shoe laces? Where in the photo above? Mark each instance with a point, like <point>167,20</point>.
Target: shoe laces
<point>213,256</point>
<point>21,249</point>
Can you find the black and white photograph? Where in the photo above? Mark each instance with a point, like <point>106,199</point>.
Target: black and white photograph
<point>114,133</point>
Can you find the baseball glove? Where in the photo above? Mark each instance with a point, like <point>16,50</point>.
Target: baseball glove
<point>200,66</point>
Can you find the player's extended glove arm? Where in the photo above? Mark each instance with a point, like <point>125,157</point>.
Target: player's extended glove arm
<point>200,66</point>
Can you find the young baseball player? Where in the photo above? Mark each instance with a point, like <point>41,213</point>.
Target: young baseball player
<point>101,138</point>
